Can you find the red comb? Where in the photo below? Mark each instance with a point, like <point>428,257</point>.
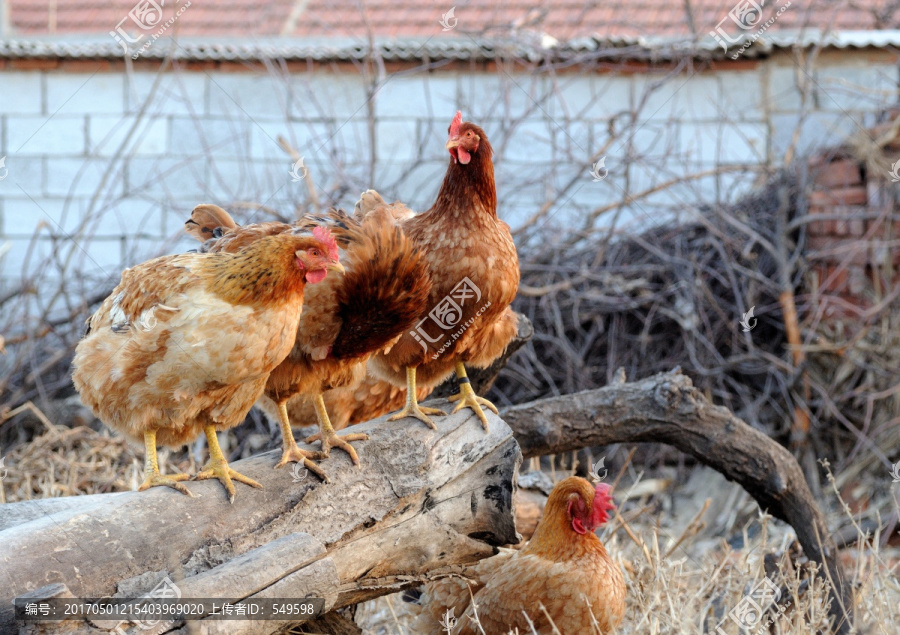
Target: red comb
<point>603,495</point>
<point>455,124</point>
<point>323,235</point>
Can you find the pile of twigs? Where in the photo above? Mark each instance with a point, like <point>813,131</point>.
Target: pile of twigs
<point>675,295</point>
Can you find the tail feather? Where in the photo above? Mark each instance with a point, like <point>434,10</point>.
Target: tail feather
<point>207,220</point>
<point>342,225</point>
<point>385,289</point>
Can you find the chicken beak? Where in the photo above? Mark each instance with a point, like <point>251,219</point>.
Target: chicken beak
<point>336,266</point>
<point>452,142</point>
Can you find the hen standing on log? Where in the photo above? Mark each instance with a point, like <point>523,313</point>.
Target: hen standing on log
<point>346,319</point>
<point>474,269</point>
<point>564,568</point>
<point>186,343</point>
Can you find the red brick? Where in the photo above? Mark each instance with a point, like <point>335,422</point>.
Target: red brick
<point>33,64</point>
<point>734,65</point>
<point>820,228</point>
<point>198,65</point>
<point>235,67</point>
<point>850,227</point>
<point>85,66</point>
<point>858,281</point>
<point>841,173</point>
<point>839,196</point>
<point>831,279</point>
<point>838,251</point>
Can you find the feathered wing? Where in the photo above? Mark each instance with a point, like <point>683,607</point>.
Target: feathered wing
<point>151,361</point>
<point>454,594</point>
<point>523,583</point>
<point>472,261</point>
<point>374,302</point>
<point>347,318</point>
<point>489,342</point>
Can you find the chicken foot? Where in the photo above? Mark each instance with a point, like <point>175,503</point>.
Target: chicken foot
<point>468,399</point>
<point>217,467</point>
<point>152,477</point>
<point>412,407</point>
<point>291,452</point>
<point>330,438</point>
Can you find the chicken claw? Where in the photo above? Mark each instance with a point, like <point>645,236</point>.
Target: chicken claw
<point>418,412</point>
<point>412,407</point>
<point>334,440</point>
<point>291,452</point>
<point>295,454</point>
<point>170,480</point>
<point>152,477</point>
<point>217,467</point>
<point>468,399</point>
<point>329,437</point>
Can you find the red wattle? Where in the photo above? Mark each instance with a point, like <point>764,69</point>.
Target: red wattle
<point>316,275</point>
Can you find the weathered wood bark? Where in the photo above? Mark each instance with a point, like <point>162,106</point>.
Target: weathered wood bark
<point>423,500</point>
<point>666,408</point>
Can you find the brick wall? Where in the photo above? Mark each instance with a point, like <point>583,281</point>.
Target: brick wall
<point>853,247</point>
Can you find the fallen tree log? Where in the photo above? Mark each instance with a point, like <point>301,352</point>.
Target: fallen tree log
<point>422,503</point>
<point>423,500</point>
<point>666,408</point>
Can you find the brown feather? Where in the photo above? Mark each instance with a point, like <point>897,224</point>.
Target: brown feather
<point>460,237</point>
<point>347,317</point>
<point>205,219</point>
<point>355,403</point>
<point>559,568</point>
<point>189,340</point>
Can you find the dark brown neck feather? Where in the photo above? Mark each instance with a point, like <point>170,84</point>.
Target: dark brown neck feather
<point>473,183</point>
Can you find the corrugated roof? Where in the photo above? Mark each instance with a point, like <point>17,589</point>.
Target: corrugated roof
<point>562,19</point>
<point>405,29</point>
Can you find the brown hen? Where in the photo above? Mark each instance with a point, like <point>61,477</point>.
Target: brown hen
<point>187,342</point>
<point>564,575</point>
<point>346,320</point>
<point>474,268</point>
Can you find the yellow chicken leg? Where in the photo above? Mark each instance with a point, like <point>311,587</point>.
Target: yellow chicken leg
<point>412,407</point>
<point>152,477</point>
<point>291,452</point>
<point>467,397</point>
<point>217,467</point>
<point>329,437</point>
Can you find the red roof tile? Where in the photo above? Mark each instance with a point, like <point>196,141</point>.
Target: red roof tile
<point>562,19</point>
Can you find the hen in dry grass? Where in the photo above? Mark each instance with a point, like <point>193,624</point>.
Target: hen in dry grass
<point>562,578</point>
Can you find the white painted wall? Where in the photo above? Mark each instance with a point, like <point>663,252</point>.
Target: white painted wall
<point>103,169</point>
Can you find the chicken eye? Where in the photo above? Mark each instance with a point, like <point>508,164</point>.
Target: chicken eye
<point>313,252</point>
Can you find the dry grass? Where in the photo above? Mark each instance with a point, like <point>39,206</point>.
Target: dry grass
<point>688,594</point>
<point>692,545</point>
<point>77,461</point>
